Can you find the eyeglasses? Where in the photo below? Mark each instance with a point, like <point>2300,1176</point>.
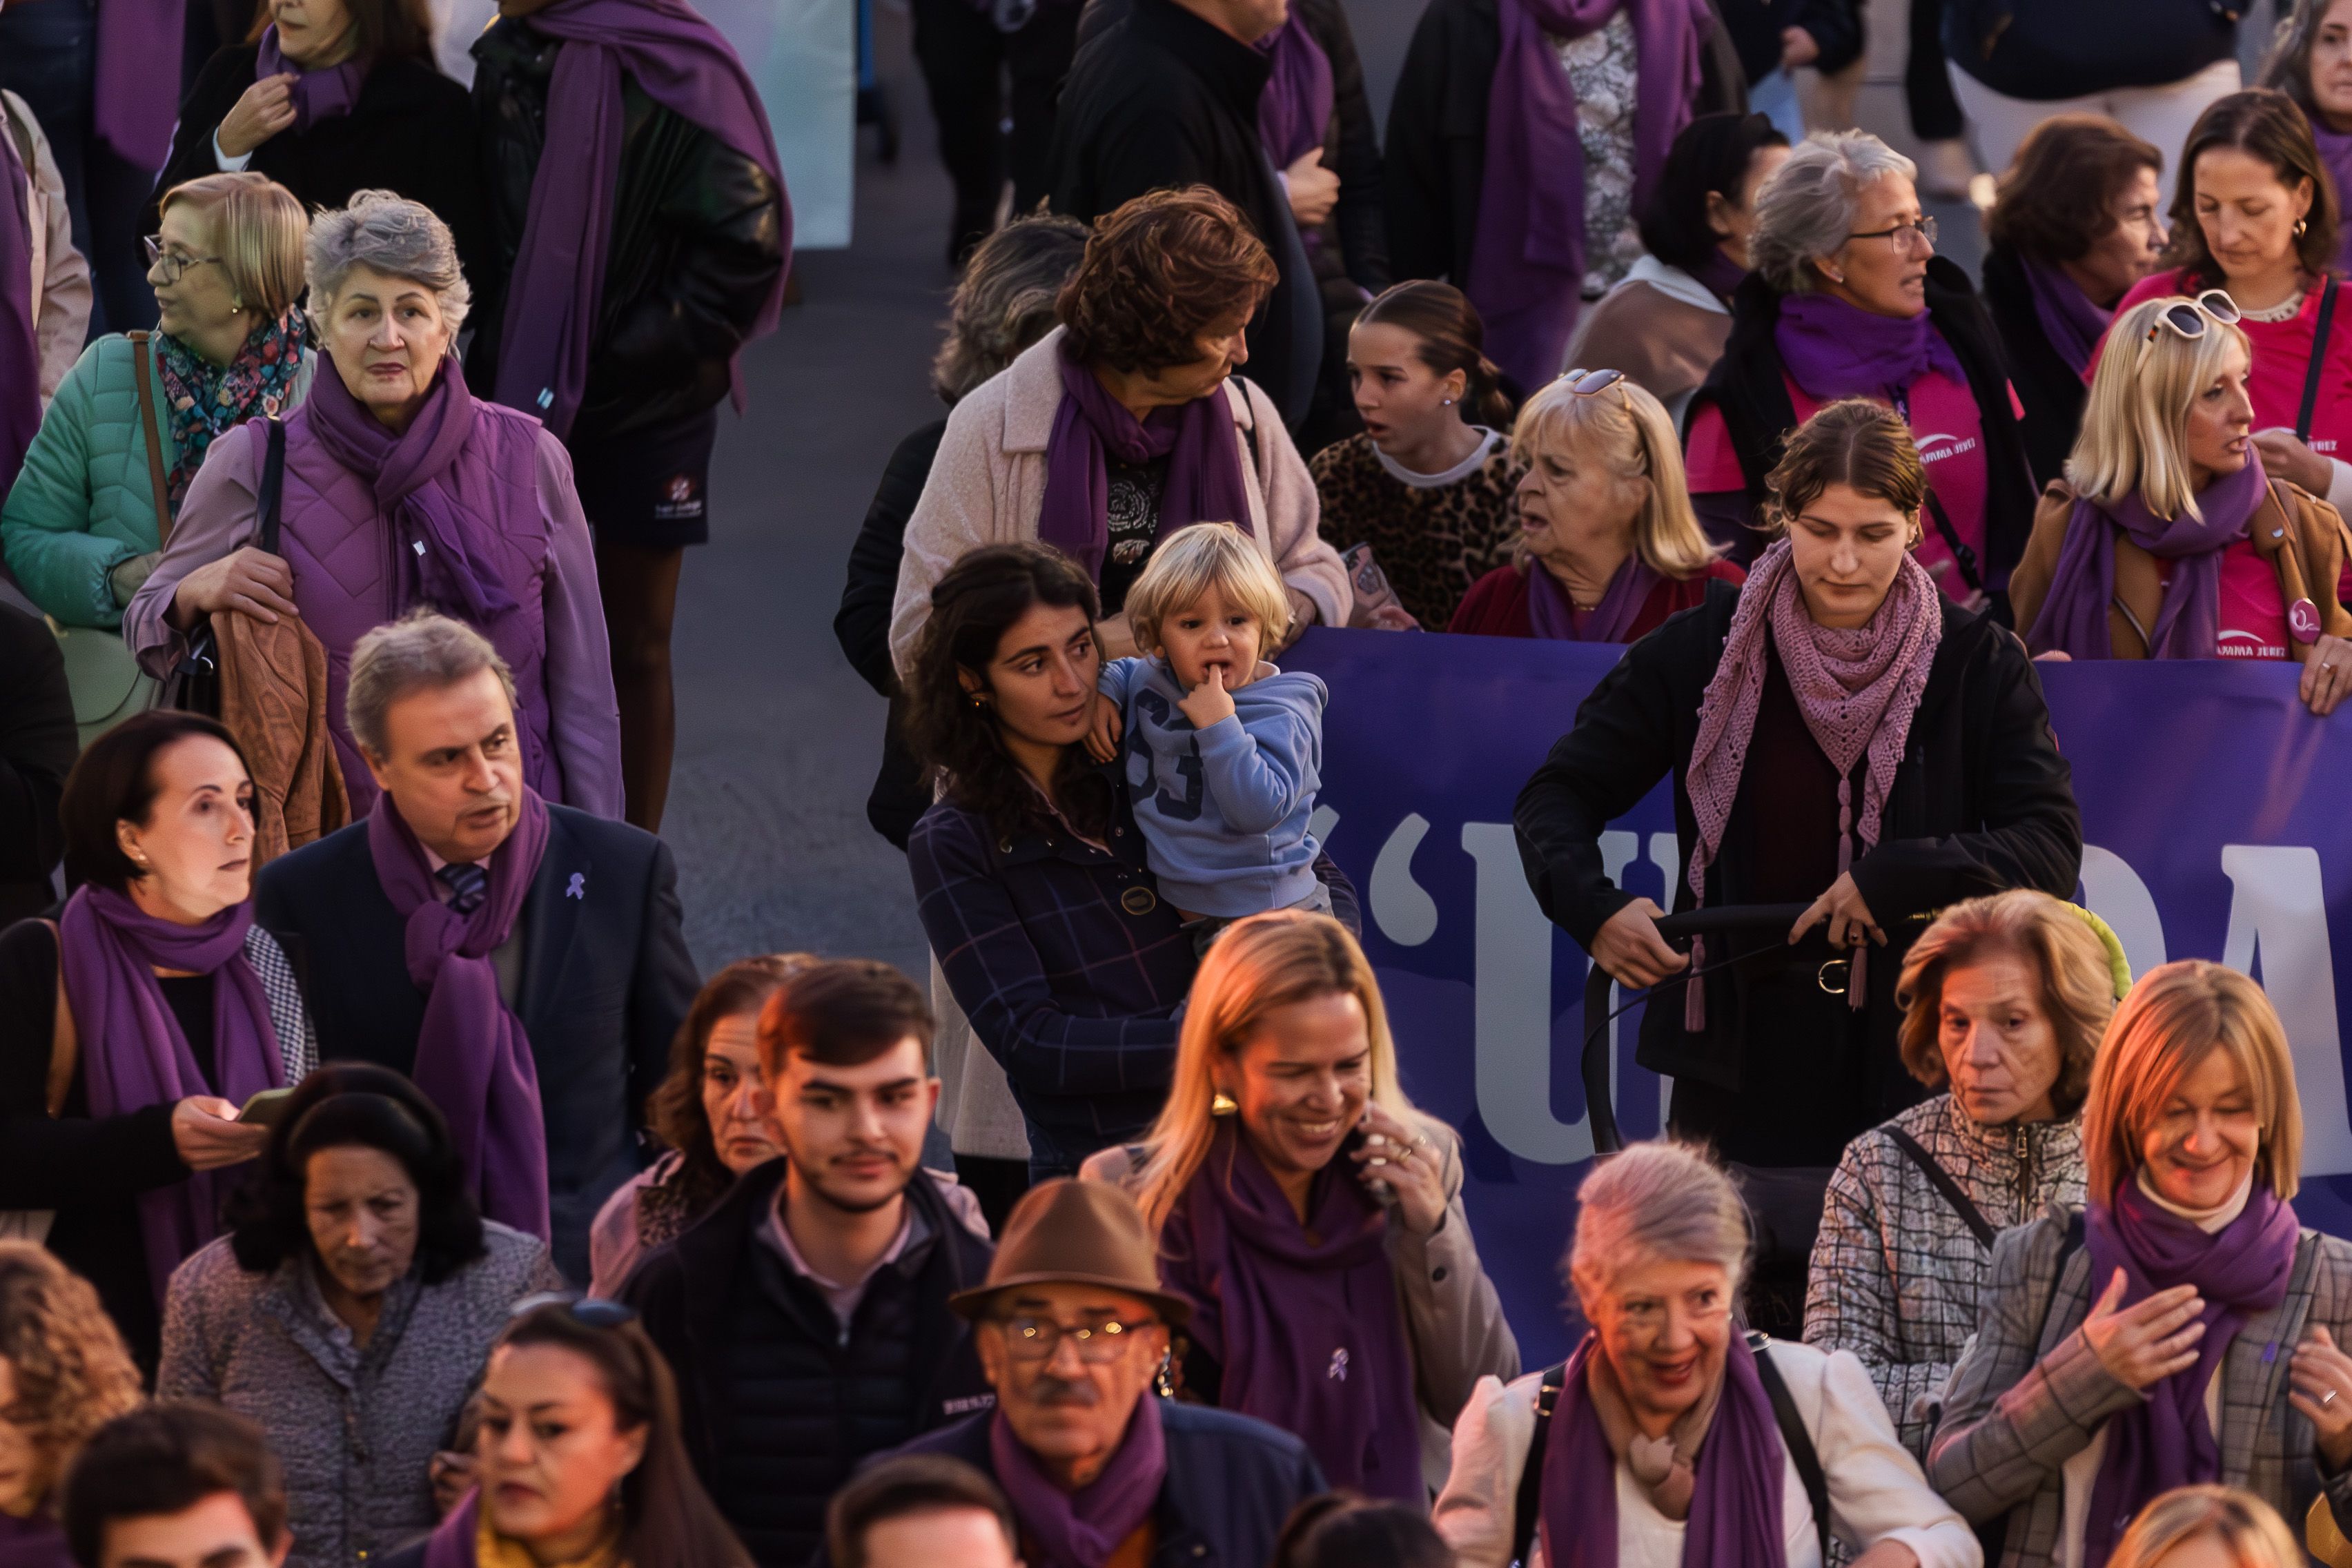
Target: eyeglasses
<point>588,1312</point>
<point>1904,237</point>
<point>1100,1343</point>
<point>1593,383</point>
<point>174,265</point>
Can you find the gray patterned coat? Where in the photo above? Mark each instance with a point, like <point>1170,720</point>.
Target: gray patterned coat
<point>356,1428</point>
<point>2031,1393</point>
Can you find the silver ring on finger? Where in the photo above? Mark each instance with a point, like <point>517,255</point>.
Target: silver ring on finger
<point>2328,1399</point>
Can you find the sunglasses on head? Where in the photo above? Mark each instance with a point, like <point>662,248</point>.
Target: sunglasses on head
<point>588,1312</point>
<point>1592,383</point>
<point>2187,319</point>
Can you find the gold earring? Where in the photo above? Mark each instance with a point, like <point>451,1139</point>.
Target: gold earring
<point>1223,1104</point>
<point>2301,227</point>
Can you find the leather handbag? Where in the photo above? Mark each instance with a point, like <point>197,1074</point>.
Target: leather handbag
<point>102,673</point>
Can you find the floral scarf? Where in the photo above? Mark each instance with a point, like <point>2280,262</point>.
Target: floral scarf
<point>205,399</point>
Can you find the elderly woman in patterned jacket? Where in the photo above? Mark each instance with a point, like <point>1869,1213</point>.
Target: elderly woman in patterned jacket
<point>2006,998</point>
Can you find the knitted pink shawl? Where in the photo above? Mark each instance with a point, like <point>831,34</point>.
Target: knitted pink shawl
<point>1857,687</point>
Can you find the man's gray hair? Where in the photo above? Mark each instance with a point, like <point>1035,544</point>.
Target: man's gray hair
<point>395,237</point>
<point>1655,1201</point>
<point>425,651</point>
<point>1807,208</point>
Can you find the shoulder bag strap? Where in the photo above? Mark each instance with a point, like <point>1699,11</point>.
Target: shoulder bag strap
<point>1943,1182</point>
<point>1794,1436</point>
<point>269,503</point>
<point>1962,554</point>
<point>1529,1506</point>
<point>141,369</point>
<point>2317,367</point>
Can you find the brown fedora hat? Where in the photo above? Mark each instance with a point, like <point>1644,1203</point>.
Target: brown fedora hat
<point>1075,1233</point>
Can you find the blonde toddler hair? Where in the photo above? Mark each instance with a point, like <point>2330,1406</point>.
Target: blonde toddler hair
<point>1191,561</point>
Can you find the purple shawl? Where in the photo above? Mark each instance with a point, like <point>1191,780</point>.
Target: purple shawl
<point>138,80</point>
<point>472,1059</point>
<point>2163,1439</point>
<point>1720,274</point>
<point>317,94</point>
<point>1296,106</point>
<point>1552,613</point>
<point>20,339</point>
<point>1204,464</point>
<point>1833,349</point>
<point>34,1542</point>
<point>1738,1483</point>
<point>684,65</point>
<point>134,1055</point>
<point>456,571</point>
<point>1302,1319</point>
<point>2070,319</point>
<point>2074,618</point>
<point>2335,156</point>
<point>452,1541</point>
<point>1080,1528</point>
<point>1527,254</point>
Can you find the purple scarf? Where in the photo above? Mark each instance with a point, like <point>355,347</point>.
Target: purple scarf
<point>2070,319</point>
<point>1720,274</point>
<point>2335,156</point>
<point>317,94</point>
<point>1553,614</point>
<point>472,1059</point>
<point>683,64</point>
<point>1527,254</point>
<point>452,1541</point>
<point>20,339</point>
<point>134,1055</point>
<point>1080,1528</point>
<point>1302,1319</point>
<point>1836,350</point>
<point>34,1542</point>
<point>1205,465</point>
<point>1735,1515</point>
<point>138,81</point>
<point>2163,1440</point>
<point>1296,106</point>
<point>457,570</point>
<point>2074,618</point>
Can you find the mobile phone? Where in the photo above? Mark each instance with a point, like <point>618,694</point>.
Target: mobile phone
<point>266,1109</point>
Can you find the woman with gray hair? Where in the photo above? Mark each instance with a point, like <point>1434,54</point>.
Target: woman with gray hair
<point>400,489</point>
<point>1672,1435</point>
<point>1849,299</point>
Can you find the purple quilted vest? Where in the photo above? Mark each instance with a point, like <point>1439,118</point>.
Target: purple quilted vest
<point>351,574</point>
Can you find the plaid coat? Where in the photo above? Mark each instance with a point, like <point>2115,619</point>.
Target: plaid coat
<point>2030,1394</point>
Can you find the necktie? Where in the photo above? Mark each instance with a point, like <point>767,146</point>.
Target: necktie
<point>469,886</point>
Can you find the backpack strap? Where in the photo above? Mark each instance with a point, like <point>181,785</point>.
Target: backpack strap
<point>1795,1438</point>
<point>2312,372</point>
<point>1529,1506</point>
<point>1943,1183</point>
<point>269,501</point>
<point>141,367</point>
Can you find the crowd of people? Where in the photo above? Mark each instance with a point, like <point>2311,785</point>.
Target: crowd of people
<point>381,1180</point>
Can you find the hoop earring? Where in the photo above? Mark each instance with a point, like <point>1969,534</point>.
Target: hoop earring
<point>1223,1104</point>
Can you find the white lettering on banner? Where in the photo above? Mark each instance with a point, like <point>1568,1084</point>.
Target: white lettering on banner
<point>1406,913</point>
<point>2278,911</point>
<point>1511,975</point>
<point>2112,891</point>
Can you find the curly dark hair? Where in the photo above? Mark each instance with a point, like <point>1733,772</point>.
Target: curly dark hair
<point>2058,198</point>
<point>355,1105</point>
<point>1006,299</point>
<point>72,1373</point>
<point>1160,271</point>
<point>674,1109</point>
<point>952,733</point>
<point>2262,123</point>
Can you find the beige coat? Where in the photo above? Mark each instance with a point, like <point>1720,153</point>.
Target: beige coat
<point>61,290</point>
<point>987,485</point>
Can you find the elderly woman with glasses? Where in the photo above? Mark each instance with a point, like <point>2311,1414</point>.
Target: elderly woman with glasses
<point>348,1308</point>
<point>1849,299</point>
<point>402,489</point>
<point>1672,1435</point>
<point>2168,539</point>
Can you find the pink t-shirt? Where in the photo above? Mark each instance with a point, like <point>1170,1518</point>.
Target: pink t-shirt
<point>2253,609</point>
<point>2282,361</point>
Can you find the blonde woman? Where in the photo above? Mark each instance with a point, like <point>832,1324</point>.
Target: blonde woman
<point>2166,539</point>
<point>1311,1215</point>
<point>2207,1527</point>
<point>63,1373</point>
<point>1608,544</point>
<point>2181,1328</point>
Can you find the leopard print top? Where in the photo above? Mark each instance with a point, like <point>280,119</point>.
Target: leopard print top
<point>1433,541</point>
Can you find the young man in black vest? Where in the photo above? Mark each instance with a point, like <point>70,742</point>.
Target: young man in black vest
<point>807,1316</point>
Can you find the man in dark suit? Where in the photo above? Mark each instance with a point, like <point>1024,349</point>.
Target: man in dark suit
<point>574,918</point>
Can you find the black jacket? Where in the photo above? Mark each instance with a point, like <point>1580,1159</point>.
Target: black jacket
<point>1982,802</point>
<point>605,980</point>
<point>38,744</point>
<point>1749,384</point>
<point>2046,384</point>
<point>412,131</point>
<point>697,240</point>
<point>1756,26</point>
<point>776,1410</point>
<point>862,626</point>
<point>2041,50</point>
<point>1436,144</point>
<point>1231,1481</point>
<point>1162,98</point>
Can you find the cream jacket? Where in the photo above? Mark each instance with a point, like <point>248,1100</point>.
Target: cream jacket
<point>987,485</point>
<point>61,290</point>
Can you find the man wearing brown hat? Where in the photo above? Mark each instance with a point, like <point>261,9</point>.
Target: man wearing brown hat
<point>1071,1328</point>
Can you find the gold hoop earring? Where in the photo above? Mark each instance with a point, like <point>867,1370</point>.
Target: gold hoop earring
<point>1223,1104</point>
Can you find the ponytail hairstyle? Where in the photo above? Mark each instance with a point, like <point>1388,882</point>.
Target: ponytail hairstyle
<point>1451,337</point>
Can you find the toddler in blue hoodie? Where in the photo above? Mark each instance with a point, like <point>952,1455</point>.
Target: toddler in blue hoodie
<point>1225,751</point>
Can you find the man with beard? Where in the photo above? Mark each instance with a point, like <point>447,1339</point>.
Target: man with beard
<point>807,1315</point>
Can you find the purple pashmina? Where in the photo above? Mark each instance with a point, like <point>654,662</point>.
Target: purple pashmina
<point>1080,1528</point>
<point>1836,350</point>
<point>457,570</point>
<point>1302,1319</point>
<point>2074,618</point>
<point>2163,1440</point>
<point>1552,613</point>
<point>684,65</point>
<point>134,1055</point>
<point>1527,254</point>
<point>1296,106</point>
<point>1205,465</point>
<point>316,94</point>
<point>2070,319</point>
<point>451,1544</point>
<point>1720,274</point>
<point>136,88</point>
<point>36,1541</point>
<point>1738,1481</point>
<point>20,340</point>
<point>2335,156</point>
<point>472,1059</point>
